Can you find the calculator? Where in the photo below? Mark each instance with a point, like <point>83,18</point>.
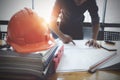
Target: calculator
<point>109,36</point>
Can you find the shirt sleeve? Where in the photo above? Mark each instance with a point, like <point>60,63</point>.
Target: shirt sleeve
<point>56,9</point>
<point>93,10</point>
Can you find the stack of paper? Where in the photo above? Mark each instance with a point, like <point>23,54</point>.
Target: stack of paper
<point>36,64</point>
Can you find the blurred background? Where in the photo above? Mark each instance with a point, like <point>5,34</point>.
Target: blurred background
<point>108,11</point>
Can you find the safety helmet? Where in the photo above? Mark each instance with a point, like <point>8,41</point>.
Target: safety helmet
<point>27,32</point>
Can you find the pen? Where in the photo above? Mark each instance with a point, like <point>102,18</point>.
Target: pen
<point>73,42</point>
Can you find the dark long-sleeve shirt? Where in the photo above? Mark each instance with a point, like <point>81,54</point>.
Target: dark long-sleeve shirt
<point>70,11</point>
<point>72,16</point>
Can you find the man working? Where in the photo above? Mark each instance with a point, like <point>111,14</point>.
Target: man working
<point>71,13</point>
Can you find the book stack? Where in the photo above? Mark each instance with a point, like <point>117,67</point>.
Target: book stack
<point>31,66</point>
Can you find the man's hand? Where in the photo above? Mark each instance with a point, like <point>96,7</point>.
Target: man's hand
<point>67,39</point>
<point>93,43</point>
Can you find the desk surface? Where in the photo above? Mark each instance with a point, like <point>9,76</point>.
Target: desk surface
<point>81,57</point>
<point>99,75</point>
<point>84,75</point>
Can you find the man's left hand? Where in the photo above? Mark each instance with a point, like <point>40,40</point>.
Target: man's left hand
<point>93,43</point>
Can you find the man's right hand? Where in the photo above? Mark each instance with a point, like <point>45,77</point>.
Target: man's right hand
<point>67,39</point>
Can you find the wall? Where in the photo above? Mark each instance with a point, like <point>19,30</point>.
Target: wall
<point>44,7</point>
<point>9,7</point>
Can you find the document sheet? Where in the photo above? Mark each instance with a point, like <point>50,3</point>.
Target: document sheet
<point>82,57</point>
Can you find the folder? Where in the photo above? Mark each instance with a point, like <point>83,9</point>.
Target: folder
<point>58,56</point>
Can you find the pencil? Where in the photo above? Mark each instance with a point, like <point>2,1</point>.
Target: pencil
<point>73,42</point>
<point>108,49</point>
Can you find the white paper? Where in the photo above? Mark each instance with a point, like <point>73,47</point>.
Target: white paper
<point>115,59</point>
<point>81,57</point>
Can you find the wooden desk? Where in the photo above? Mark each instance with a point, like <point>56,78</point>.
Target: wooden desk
<point>99,75</point>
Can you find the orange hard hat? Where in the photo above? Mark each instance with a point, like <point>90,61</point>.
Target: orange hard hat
<point>27,32</point>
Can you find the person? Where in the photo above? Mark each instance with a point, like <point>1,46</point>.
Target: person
<point>71,14</point>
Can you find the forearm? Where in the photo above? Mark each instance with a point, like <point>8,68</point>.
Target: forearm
<point>53,22</point>
<point>95,31</point>
<point>55,28</point>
